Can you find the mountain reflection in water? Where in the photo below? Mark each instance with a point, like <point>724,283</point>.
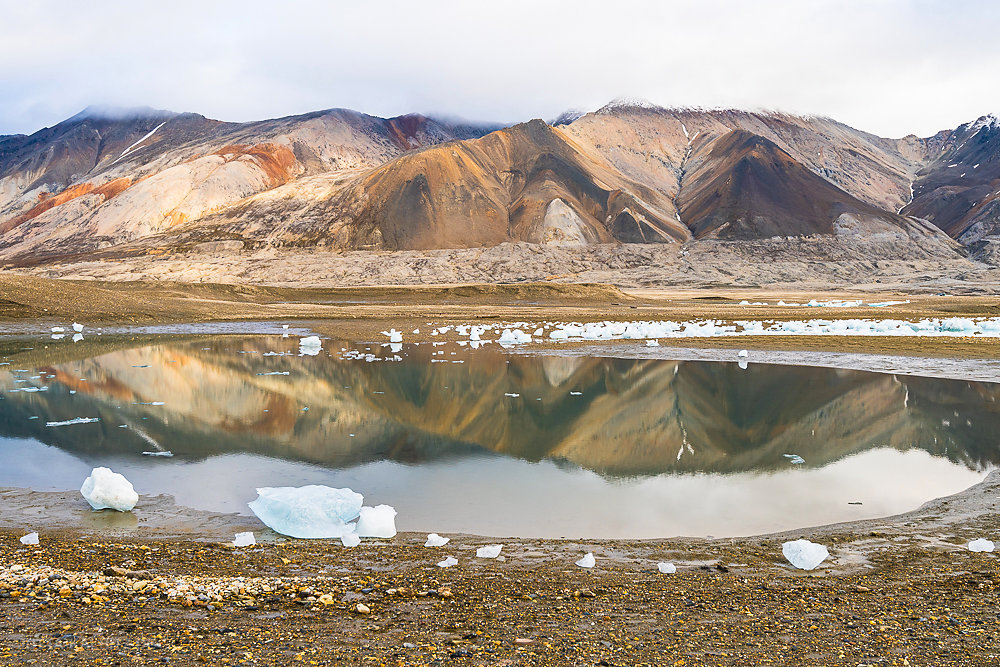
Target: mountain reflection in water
<point>620,418</point>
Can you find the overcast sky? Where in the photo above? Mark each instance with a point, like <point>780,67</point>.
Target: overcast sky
<point>887,66</point>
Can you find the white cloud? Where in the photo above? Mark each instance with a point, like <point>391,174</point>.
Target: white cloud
<point>889,67</point>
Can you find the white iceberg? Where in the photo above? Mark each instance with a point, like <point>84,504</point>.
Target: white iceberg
<point>587,561</point>
<point>448,562</point>
<point>489,551</point>
<point>379,521</point>
<point>105,489</point>
<point>804,555</point>
<point>30,540</point>
<point>310,346</point>
<point>666,568</point>
<point>311,512</point>
<point>981,545</point>
<point>435,540</point>
<point>244,540</point>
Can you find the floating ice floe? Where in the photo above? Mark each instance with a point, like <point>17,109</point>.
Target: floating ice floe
<point>378,521</point>
<point>587,561</point>
<point>513,337</point>
<point>274,373</point>
<point>435,540</point>
<point>310,346</point>
<point>666,568</point>
<point>30,540</point>
<point>489,551</point>
<point>71,422</point>
<point>311,512</point>
<point>794,459</point>
<point>105,489</point>
<point>77,337</point>
<point>58,330</point>
<point>981,545</point>
<point>77,327</point>
<point>804,555</point>
<point>510,395</point>
<point>448,562</point>
<point>244,540</point>
<point>163,453</point>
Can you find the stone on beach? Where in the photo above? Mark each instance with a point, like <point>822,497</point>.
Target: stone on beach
<point>310,512</point>
<point>105,489</point>
<point>803,554</point>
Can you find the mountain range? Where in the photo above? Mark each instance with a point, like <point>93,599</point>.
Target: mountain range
<point>111,182</point>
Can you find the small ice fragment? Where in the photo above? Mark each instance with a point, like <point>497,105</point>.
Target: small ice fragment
<point>448,562</point>
<point>576,393</point>
<point>981,545</point>
<point>31,539</point>
<point>310,346</point>
<point>78,420</point>
<point>743,354</point>
<point>57,330</point>
<point>587,561</point>
<point>416,331</point>
<point>77,327</point>
<point>244,540</point>
<point>489,551</point>
<point>394,336</point>
<point>511,395</point>
<point>58,336</point>
<point>350,539</point>
<point>105,489</point>
<point>165,454</point>
<point>312,511</point>
<point>377,521</point>
<point>652,343</point>
<point>804,555</point>
<point>794,459</point>
<point>77,337</point>
<point>435,540</point>
<point>666,568</point>
<point>284,326</point>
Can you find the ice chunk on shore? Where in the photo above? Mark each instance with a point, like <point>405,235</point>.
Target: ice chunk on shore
<point>311,512</point>
<point>105,489</point>
<point>244,540</point>
<point>435,540</point>
<point>804,555</point>
<point>350,540</point>
<point>379,521</point>
<point>981,545</point>
<point>652,342</point>
<point>587,561</point>
<point>394,336</point>
<point>310,346</point>
<point>489,551</point>
<point>448,562</point>
<point>58,330</point>
<point>743,354</point>
<point>513,337</point>
<point>666,568</point>
<point>77,327</point>
<point>30,540</point>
